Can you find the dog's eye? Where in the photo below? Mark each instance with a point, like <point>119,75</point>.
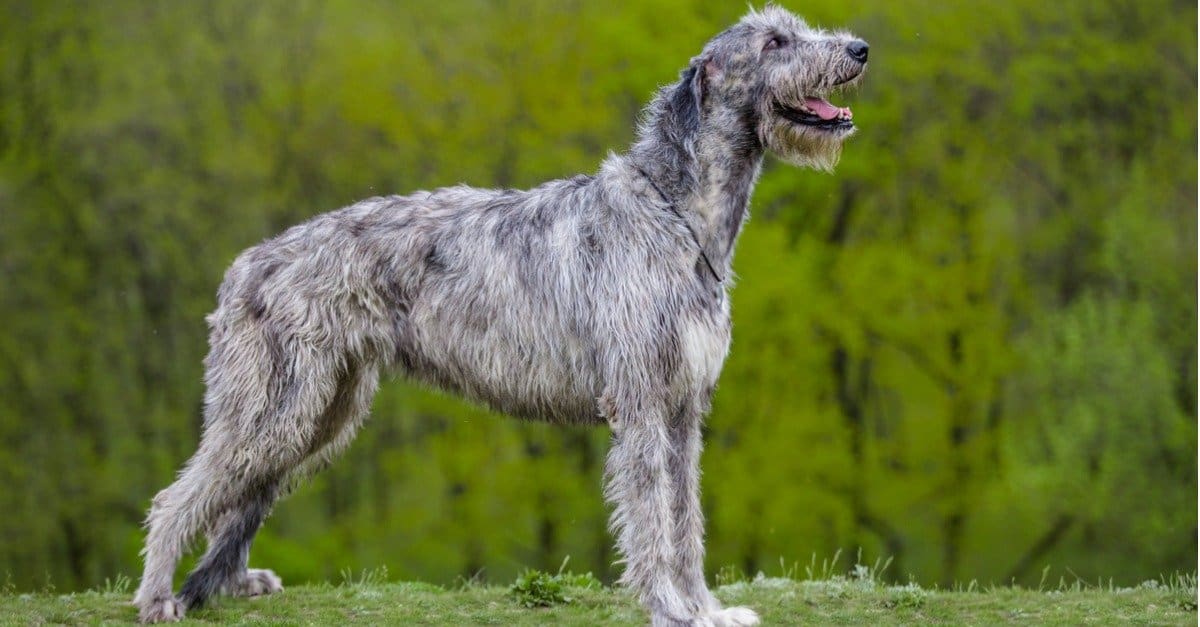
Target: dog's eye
<point>774,43</point>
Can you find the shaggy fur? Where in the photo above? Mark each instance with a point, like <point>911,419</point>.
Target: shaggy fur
<point>591,300</point>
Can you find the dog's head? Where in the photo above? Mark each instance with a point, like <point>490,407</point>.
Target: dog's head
<point>772,75</point>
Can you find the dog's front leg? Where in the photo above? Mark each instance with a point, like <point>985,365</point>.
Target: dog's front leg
<point>686,445</point>
<point>638,484</point>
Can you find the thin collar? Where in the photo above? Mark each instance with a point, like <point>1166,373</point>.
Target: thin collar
<point>686,222</point>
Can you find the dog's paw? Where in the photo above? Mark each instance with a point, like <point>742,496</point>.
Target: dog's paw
<point>257,582</point>
<point>162,610</point>
<point>734,617</point>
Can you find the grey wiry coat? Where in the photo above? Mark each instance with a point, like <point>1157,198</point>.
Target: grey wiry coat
<point>596,299</point>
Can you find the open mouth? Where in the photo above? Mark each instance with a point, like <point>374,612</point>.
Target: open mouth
<point>817,112</point>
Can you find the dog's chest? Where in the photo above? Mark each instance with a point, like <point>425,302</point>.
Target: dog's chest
<point>704,344</point>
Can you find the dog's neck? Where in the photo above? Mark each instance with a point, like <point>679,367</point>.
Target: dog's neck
<point>706,175</point>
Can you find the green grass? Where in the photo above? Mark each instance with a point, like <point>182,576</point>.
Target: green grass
<point>576,600</point>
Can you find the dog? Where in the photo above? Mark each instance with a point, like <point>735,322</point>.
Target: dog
<point>599,300</point>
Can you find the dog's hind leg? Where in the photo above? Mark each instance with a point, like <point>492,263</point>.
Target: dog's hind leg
<point>223,567</point>
<point>176,515</point>
<point>341,421</point>
<point>264,400</point>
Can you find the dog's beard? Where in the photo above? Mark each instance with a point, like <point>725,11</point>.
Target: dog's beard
<point>803,146</point>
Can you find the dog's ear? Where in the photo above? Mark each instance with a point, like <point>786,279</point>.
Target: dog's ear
<point>688,99</point>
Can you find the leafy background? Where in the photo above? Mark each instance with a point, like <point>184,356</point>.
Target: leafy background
<point>972,349</point>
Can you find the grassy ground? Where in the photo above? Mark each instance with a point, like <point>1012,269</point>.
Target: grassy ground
<point>835,600</point>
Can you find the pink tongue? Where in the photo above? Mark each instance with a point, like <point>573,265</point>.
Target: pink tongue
<point>824,110</point>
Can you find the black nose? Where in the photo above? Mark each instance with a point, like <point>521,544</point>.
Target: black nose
<point>858,50</point>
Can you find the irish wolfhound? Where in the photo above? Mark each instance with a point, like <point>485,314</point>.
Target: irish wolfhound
<point>596,300</point>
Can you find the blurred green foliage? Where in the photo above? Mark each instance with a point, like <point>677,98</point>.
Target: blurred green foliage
<point>972,349</point>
